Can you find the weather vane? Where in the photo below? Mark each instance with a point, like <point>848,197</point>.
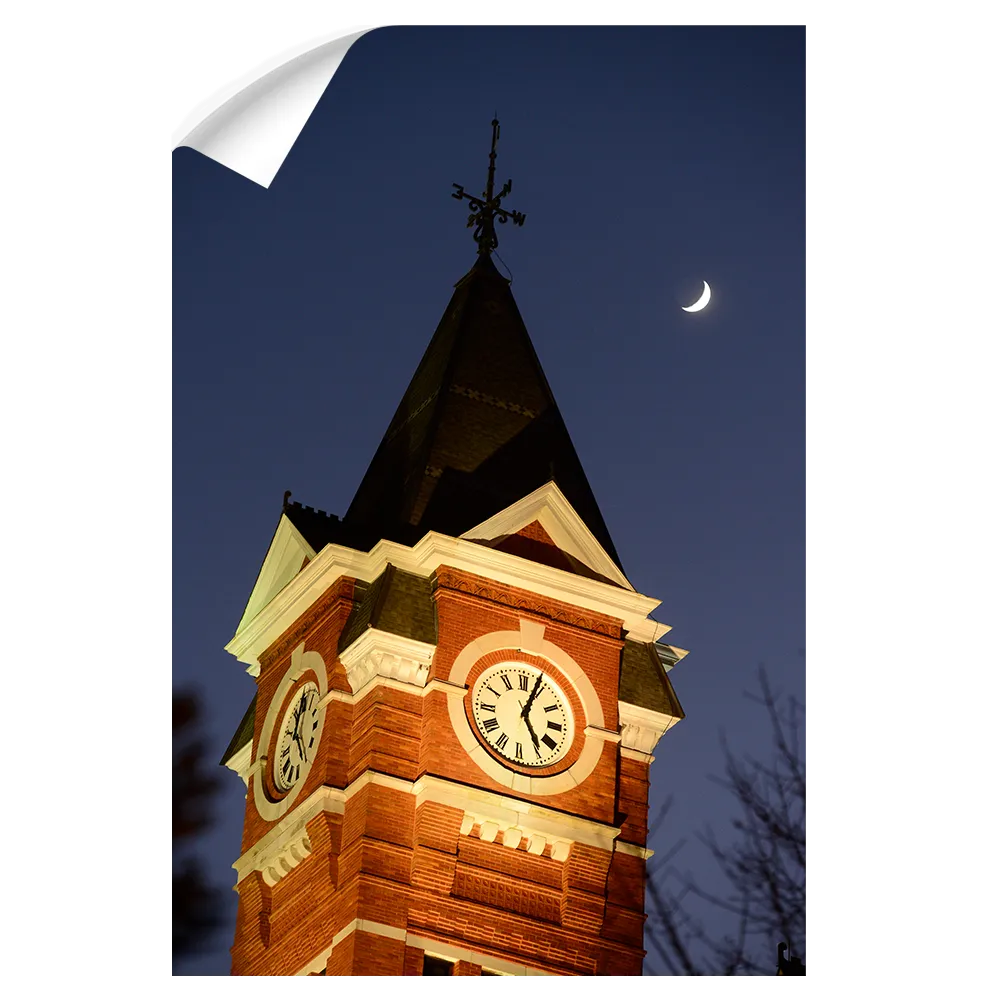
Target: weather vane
<point>486,211</point>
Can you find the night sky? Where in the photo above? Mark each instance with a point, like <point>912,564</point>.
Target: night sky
<point>646,160</point>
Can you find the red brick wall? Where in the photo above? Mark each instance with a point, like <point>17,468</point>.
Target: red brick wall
<point>633,799</point>
<point>387,861</point>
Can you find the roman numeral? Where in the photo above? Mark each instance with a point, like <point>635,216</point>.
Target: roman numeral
<point>537,752</point>
<point>555,726</point>
<point>296,772</point>
<point>284,751</point>
<point>496,694</point>
<point>506,680</point>
<point>551,708</point>
<point>316,724</point>
<point>501,741</point>
<point>311,742</point>
<point>522,682</point>
<point>549,742</point>
<point>518,752</point>
<point>490,724</point>
<point>487,708</point>
<point>287,768</point>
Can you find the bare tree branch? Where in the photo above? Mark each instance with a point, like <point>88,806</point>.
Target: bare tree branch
<point>763,865</point>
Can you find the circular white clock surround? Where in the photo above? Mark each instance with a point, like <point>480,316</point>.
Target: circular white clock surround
<point>522,714</point>
<point>302,662</point>
<point>530,639</point>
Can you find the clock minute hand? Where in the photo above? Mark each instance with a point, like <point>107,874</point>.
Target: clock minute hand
<point>531,732</point>
<point>531,698</point>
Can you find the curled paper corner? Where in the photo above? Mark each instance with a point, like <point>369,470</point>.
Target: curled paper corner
<point>251,125</point>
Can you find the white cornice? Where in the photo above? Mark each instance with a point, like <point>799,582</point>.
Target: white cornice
<point>352,698</point>
<point>383,654</point>
<point>549,507</point>
<point>423,559</point>
<point>641,728</point>
<point>242,761</point>
<point>647,630</point>
<point>674,655</point>
<point>287,842</point>
<point>634,849</point>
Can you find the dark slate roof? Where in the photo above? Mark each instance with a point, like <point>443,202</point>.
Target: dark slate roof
<point>397,602</point>
<point>644,682</point>
<point>244,732</point>
<point>477,429</point>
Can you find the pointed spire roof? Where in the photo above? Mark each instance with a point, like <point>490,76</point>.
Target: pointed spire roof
<point>477,429</point>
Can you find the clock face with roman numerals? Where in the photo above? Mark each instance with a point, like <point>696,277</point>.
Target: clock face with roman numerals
<point>522,714</point>
<point>297,742</point>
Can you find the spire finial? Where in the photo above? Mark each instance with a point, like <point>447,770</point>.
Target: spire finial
<point>486,211</point>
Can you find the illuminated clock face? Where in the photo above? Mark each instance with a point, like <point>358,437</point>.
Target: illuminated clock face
<point>522,714</point>
<point>297,741</point>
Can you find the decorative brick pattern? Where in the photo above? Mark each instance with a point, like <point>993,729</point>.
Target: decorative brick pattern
<point>501,892</point>
<point>523,600</point>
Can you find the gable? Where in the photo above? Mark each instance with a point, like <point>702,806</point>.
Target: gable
<point>534,542</point>
<point>545,528</point>
<point>286,556</point>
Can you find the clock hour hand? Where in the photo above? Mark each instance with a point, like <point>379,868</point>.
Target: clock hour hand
<point>299,738</point>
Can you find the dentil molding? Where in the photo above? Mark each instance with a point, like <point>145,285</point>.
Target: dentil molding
<point>286,844</point>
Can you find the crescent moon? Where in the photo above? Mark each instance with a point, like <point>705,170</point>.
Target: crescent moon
<point>702,302</point>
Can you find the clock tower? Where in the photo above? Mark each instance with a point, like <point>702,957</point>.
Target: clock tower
<point>458,690</point>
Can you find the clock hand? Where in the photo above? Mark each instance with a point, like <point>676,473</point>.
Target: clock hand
<point>531,697</point>
<point>531,732</point>
<point>298,734</point>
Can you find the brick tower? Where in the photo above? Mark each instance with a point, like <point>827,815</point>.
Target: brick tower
<point>458,692</point>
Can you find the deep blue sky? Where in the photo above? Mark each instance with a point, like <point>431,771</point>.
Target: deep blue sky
<point>645,160</point>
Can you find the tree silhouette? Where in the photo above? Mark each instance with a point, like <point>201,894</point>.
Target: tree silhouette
<point>763,865</point>
<point>197,905</point>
